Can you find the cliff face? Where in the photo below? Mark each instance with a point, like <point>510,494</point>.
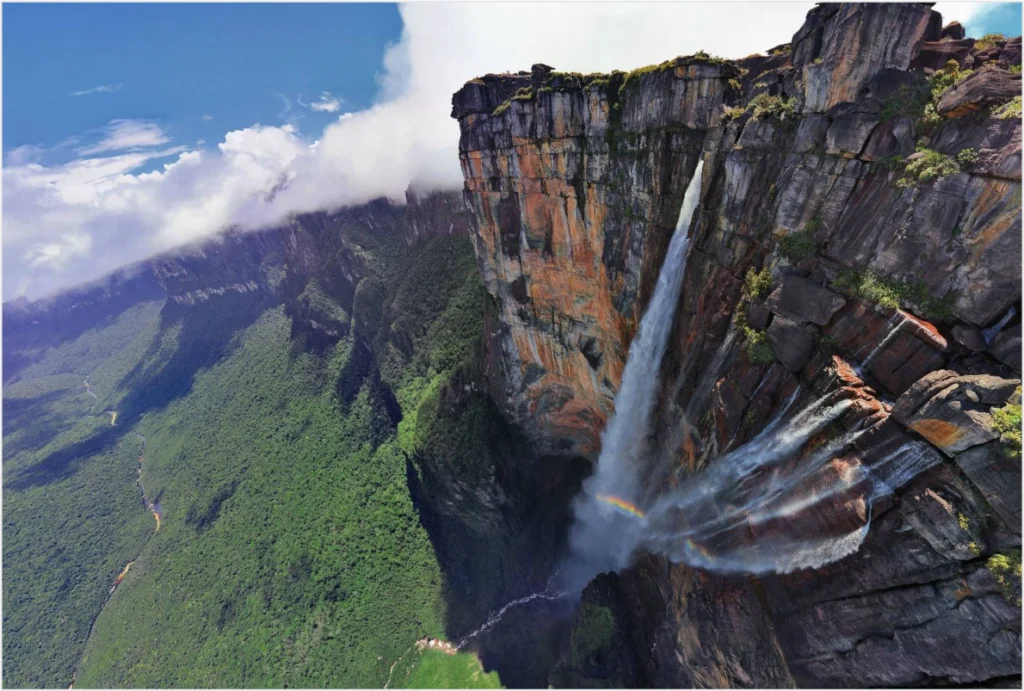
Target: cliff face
<point>576,184</point>
<point>861,207</point>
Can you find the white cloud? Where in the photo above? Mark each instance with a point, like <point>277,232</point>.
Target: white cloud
<point>102,89</point>
<point>962,12</point>
<point>72,223</point>
<point>326,103</point>
<point>20,155</point>
<point>127,134</point>
<point>206,117</point>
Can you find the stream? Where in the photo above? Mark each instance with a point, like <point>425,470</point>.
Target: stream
<point>151,506</point>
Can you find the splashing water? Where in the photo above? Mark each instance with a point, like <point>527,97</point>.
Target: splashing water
<point>724,548</point>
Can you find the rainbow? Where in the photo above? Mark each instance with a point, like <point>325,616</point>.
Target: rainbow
<point>629,508</point>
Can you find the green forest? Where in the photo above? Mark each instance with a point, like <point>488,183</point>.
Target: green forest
<point>290,551</point>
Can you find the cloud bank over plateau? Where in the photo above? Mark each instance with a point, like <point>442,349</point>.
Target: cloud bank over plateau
<point>74,222</point>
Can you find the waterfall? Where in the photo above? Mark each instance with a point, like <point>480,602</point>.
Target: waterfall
<point>993,331</point>
<point>494,617</point>
<point>622,439</point>
<point>900,319</point>
<point>600,539</point>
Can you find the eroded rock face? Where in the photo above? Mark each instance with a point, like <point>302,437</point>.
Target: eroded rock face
<point>576,184</point>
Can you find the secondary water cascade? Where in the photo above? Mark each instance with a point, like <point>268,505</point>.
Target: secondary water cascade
<point>731,516</point>
<point>897,321</point>
<point>739,513</point>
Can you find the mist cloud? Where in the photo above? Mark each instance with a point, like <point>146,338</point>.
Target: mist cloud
<point>70,223</point>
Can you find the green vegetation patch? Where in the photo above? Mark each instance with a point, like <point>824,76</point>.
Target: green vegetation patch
<point>758,348</point>
<point>290,552</point>
<point>757,283</point>
<point>592,633</point>
<point>434,669</point>
<point>801,244</point>
<point>893,294</point>
<point>1007,422</point>
<point>989,41</point>
<point>907,102</point>
<point>919,101</point>
<point>767,105</point>
<point>524,94</point>
<point>1010,110</point>
<point>72,513</point>
<point>928,165</point>
<point>1006,567</point>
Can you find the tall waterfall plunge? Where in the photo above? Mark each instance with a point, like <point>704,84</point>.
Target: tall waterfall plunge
<point>598,539</point>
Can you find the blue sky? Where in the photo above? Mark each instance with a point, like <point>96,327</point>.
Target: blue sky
<point>200,70</point>
<point>995,18</point>
<point>173,64</point>
<point>134,129</point>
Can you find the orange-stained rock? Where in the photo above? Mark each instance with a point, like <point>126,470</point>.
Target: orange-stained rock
<point>938,432</point>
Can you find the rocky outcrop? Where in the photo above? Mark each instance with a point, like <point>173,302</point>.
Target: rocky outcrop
<point>233,262</point>
<point>951,411</point>
<point>888,248</point>
<point>886,37</point>
<point>988,86</point>
<point>803,300</point>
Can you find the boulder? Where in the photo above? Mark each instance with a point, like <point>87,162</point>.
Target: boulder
<point>902,361</point>
<point>810,133</point>
<point>988,86</point>
<point>1006,347</point>
<point>954,31</point>
<point>936,518</point>
<point>849,133</point>
<point>892,138</point>
<point>935,55</point>
<point>996,141</point>
<point>969,337</point>
<point>1011,53</point>
<point>952,411</point>
<point>793,342</point>
<point>803,300</point>
<point>758,316</point>
<point>857,41</point>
